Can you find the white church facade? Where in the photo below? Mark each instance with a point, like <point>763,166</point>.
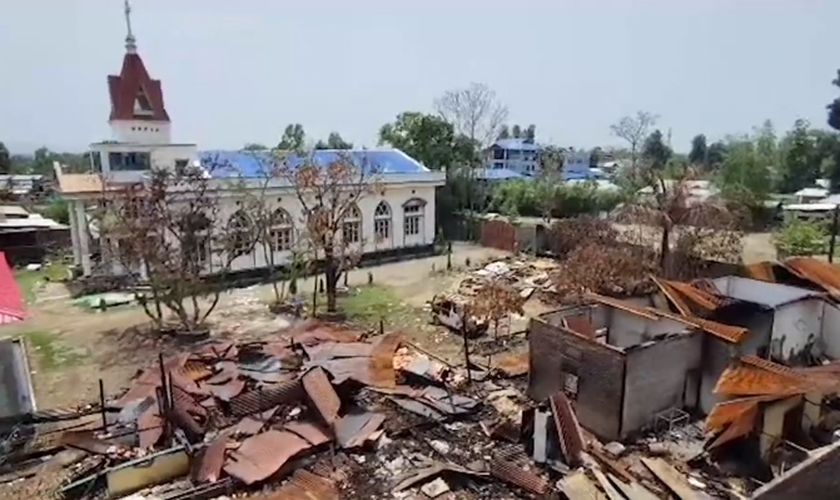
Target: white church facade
<point>401,216</point>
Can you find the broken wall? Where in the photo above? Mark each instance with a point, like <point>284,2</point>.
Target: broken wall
<point>628,329</point>
<point>814,478</point>
<point>591,374</point>
<point>797,326</point>
<point>831,330</point>
<point>717,355</point>
<point>658,377</point>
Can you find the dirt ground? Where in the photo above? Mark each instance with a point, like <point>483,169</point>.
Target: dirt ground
<point>71,348</point>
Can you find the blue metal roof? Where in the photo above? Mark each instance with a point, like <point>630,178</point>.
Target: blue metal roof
<point>497,174</point>
<point>517,144</point>
<point>254,164</point>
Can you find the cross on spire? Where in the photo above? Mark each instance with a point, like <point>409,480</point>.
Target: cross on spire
<point>130,41</point>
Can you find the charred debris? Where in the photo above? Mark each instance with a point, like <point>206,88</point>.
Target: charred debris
<point>328,412</point>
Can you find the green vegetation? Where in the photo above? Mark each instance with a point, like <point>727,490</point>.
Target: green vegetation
<point>30,281</point>
<point>801,238</point>
<point>541,198</point>
<point>366,305</point>
<point>49,352</point>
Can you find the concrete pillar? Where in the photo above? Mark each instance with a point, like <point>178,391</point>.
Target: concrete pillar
<point>84,238</point>
<point>74,235</point>
<point>812,412</point>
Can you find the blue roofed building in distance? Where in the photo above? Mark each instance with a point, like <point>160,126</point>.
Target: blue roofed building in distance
<point>399,217</point>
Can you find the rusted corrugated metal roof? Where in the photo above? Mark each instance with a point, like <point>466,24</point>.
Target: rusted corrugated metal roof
<point>727,412</point>
<point>511,473</point>
<point>208,467</point>
<point>305,485</point>
<point>262,455</point>
<point>742,426</point>
<point>310,431</point>
<point>321,393</point>
<point>761,271</point>
<point>743,379</point>
<point>624,305</point>
<point>316,332</point>
<point>568,429</point>
<point>263,399</point>
<point>824,274</point>
<point>703,293</point>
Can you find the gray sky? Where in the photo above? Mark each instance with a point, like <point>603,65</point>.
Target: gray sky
<point>239,71</point>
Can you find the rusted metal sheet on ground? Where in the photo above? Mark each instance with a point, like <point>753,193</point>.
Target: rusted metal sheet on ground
<point>258,400</point>
<point>353,429</point>
<point>321,393</point>
<point>310,431</point>
<point>260,456</point>
<point>568,429</point>
<point>252,424</point>
<point>208,466</point>
<point>85,440</point>
<point>305,485</point>
<point>316,332</point>
<point>149,427</point>
<point>517,476</point>
<point>671,478</point>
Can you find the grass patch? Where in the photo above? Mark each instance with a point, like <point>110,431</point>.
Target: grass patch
<point>29,282</point>
<point>366,305</point>
<point>49,352</point>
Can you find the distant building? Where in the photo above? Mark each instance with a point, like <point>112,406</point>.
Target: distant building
<point>517,155</point>
<point>398,219</point>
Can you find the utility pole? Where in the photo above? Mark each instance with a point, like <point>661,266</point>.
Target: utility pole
<point>833,240</point>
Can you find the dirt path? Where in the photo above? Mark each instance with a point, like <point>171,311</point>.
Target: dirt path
<point>75,347</point>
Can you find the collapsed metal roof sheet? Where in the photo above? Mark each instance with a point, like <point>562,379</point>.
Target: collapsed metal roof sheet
<point>260,456</point>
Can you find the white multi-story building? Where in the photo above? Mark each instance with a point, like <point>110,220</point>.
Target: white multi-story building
<point>400,215</point>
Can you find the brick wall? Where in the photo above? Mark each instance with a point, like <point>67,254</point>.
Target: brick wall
<point>656,378</point>
<point>599,369</point>
<point>813,479</point>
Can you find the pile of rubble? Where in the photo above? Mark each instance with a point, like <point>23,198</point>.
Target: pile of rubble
<point>321,412</point>
<point>524,276</point>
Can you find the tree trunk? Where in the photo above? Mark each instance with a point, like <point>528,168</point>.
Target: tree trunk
<point>665,248</point>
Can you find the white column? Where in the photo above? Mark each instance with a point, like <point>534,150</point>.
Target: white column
<point>74,235</point>
<point>84,238</point>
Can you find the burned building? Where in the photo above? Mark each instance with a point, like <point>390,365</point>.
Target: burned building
<point>794,325</point>
<point>625,366</point>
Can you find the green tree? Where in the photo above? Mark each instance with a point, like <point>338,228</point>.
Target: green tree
<point>334,141</point>
<point>834,122</point>
<point>516,132</point>
<point>799,168</point>
<point>744,177</point>
<point>293,138</point>
<point>429,139</point>
<point>716,154</point>
<point>834,107</point>
<point>800,238</point>
<point>530,133</point>
<point>5,160</point>
<point>595,156</point>
<point>699,151</point>
<point>252,146</point>
<point>656,151</point>
<point>504,132</point>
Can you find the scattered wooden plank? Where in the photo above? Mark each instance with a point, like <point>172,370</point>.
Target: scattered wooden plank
<point>606,486</point>
<point>633,491</point>
<point>577,486</point>
<point>671,478</point>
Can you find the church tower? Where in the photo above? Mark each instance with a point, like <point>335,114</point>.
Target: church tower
<point>137,111</point>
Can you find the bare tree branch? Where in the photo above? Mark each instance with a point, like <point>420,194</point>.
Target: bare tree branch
<point>634,130</point>
<point>474,111</point>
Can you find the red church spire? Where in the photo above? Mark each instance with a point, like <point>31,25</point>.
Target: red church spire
<point>134,95</point>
